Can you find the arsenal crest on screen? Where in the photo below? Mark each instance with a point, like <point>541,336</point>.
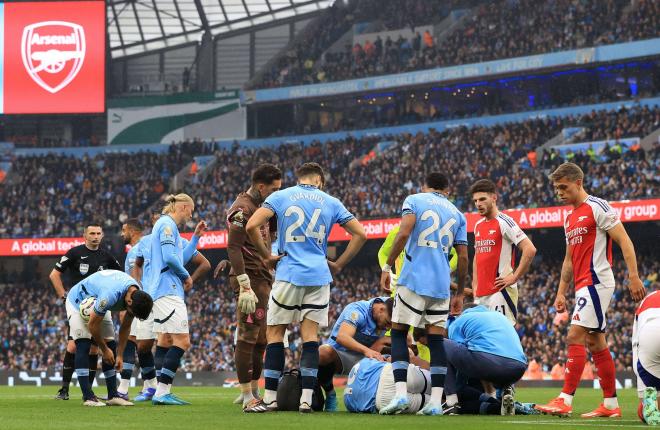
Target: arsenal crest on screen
<point>53,53</point>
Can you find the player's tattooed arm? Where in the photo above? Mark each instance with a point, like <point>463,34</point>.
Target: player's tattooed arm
<point>620,236</point>
<point>202,267</point>
<point>235,240</point>
<point>564,282</point>
<point>253,229</point>
<point>346,338</point>
<point>136,271</point>
<point>461,273</point>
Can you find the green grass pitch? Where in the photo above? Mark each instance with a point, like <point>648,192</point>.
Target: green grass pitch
<point>33,408</point>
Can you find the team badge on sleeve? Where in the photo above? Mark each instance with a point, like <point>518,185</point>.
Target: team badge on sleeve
<point>238,218</point>
<point>167,230</point>
<point>102,305</point>
<point>355,316</point>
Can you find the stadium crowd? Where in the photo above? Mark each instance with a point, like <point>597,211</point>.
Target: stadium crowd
<point>495,30</point>
<point>300,61</point>
<point>32,320</point>
<point>51,194</point>
<point>375,184</point>
<point>116,186</point>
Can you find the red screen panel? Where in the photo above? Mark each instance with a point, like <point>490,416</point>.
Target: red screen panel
<point>54,57</point>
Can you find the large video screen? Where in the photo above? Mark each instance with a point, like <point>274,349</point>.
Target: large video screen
<point>52,57</point>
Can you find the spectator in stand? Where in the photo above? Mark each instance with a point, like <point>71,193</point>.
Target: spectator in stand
<point>51,194</point>
<point>495,30</point>
<point>54,193</point>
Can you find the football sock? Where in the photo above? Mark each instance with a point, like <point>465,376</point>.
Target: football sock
<point>109,372</point>
<point>82,367</point>
<point>273,367</point>
<point>607,375</point>
<point>326,373</point>
<point>159,358</point>
<point>243,360</point>
<point>148,369</point>
<point>171,364</point>
<point>309,368</point>
<point>127,366</point>
<point>67,368</point>
<point>438,366</point>
<point>577,358</point>
<point>93,365</point>
<point>400,360</point>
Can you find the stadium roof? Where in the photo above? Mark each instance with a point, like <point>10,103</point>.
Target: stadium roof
<point>136,26</point>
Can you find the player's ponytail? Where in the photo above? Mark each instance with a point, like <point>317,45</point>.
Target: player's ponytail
<point>171,201</point>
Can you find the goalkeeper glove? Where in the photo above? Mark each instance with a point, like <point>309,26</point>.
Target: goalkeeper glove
<point>247,300</point>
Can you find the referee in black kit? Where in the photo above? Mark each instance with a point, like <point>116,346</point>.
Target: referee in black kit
<point>80,262</point>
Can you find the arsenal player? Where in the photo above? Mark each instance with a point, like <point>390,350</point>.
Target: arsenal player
<point>590,228</point>
<point>251,280</point>
<point>496,235</point>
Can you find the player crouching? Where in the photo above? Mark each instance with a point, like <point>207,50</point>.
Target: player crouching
<point>111,290</point>
<point>359,332</point>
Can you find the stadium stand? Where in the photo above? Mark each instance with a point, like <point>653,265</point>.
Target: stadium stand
<point>67,190</point>
<point>494,30</point>
<point>39,205</point>
<point>376,188</point>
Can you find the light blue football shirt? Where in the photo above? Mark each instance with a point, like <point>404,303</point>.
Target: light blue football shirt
<point>305,216</point>
<point>109,287</point>
<point>438,227</point>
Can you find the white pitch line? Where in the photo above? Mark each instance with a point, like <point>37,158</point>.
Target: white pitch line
<point>574,424</point>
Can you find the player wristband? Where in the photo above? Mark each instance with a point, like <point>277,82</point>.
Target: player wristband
<point>387,268</point>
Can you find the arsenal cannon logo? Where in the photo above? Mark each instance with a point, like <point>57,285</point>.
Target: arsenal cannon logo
<point>53,53</point>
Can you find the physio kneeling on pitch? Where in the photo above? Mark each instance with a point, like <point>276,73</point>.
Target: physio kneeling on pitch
<point>483,345</point>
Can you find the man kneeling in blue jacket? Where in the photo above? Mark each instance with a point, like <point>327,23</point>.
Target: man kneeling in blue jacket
<point>482,345</point>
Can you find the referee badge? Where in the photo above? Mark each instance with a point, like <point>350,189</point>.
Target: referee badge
<point>84,268</point>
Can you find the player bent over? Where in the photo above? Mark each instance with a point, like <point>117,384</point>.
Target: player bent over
<point>359,332</point>
<point>646,357</point>
<point>370,387</point>
<point>301,291</point>
<point>430,226</point>
<point>113,291</point>
<point>482,346</point>
<point>590,227</point>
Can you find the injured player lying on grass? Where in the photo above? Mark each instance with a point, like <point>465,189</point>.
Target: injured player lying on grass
<point>371,387</point>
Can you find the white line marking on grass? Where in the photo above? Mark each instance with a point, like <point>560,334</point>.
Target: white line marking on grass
<point>619,424</point>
